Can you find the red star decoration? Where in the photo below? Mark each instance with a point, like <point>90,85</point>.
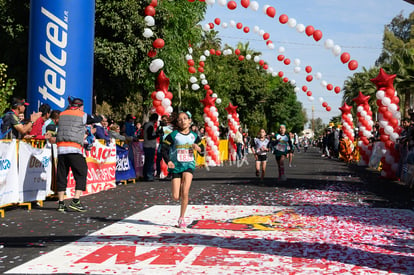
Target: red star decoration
<point>346,109</point>
<point>384,80</point>
<point>208,100</point>
<point>231,109</point>
<point>162,82</point>
<point>361,99</point>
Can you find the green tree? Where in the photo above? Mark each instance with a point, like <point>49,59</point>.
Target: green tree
<point>7,86</point>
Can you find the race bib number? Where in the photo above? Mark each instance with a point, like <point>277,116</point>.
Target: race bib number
<point>185,155</point>
<point>281,147</point>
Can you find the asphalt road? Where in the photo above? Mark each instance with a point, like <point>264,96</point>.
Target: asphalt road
<point>25,235</point>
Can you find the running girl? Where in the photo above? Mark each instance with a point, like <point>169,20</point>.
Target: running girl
<point>281,146</point>
<point>177,152</point>
<point>260,147</point>
<point>291,151</point>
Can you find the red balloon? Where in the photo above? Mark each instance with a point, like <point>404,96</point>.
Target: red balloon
<point>270,11</point>
<point>239,25</point>
<point>201,69</point>
<point>280,57</point>
<point>246,29</point>
<point>211,25</point>
<point>266,36</point>
<point>285,79</point>
<point>212,51</point>
<point>158,43</point>
<point>154,95</point>
<point>337,89</point>
<point>150,11</point>
<point>287,61</point>
<point>283,19</point>
<point>152,53</point>
<point>245,3</point>
<point>232,5</point>
<point>393,122</point>
<point>190,62</point>
<point>389,144</point>
<point>217,21</point>
<point>387,115</point>
<point>168,95</point>
<point>309,30</point>
<point>218,52</point>
<point>328,108</point>
<point>261,62</point>
<point>395,100</point>
<point>206,87</point>
<point>353,65</point>
<point>325,104</point>
<point>268,42</point>
<point>160,110</point>
<point>156,103</point>
<point>329,87</point>
<point>309,78</point>
<point>191,1</point>
<point>154,3</point>
<point>365,140</point>
<point>265,66</point>
<point>280,74</point>
<point>379,103</point>
<point>237,51</point>
<point>241,57</point>
<point>309,93</point>
<point>191,70</point>
<point>308,69</point>
<point>317,35</point>
<point>389,92</point>
<point>201,63</point>
<point>345,57</point>
<point>304,88</point>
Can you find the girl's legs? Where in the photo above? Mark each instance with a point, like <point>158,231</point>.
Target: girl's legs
<point>185,190</point>
<point>290,157</point>
<point>263,169</point>
<point>257,168</point>
<point>281,165</point>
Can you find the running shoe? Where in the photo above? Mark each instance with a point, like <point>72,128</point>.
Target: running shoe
<point>62,208</point>
<point>77,206</point>
<point>181,223</point>
<point>290,165</point>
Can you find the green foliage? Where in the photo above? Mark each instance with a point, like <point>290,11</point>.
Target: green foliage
<point>7,86</point>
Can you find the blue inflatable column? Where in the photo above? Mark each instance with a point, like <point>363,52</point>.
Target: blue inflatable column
<point>61,44</point>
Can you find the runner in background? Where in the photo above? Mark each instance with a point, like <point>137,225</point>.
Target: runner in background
<point>291,149</point>
<point>177,152</point>
<point>280,148</point>
<point>260,147</point>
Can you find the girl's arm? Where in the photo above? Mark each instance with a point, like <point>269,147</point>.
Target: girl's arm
<point>165,149</point>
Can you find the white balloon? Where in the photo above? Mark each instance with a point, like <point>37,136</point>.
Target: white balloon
<point>213,109</point>
<point>193,79</point>
<point>210,2</point>
<point>204,82</point>
<point>214,95</point>
<point>397,115</point>
<point>206,27</point>
<point>281,49</point>
<point>203,58</point>
<point>393,107</point>
<point>388,130</point>
<point>386,101</point>
<point>380,94</point>
<point>363,113</point>
<point>291,22</point>
<point>256,29</point>
<point>265,8</point>
<point>224,25</point>
<point>256,59</point>
<point>218,101</point>
<point>296,61</point>
<point>207,53</point>
<point>261,32</point>
<point>383,123</point>
<point>321,99</point>
<point>270,70</point>
<point>147,33</point>
<point>202,76</point>
<point>270,46</point>
<point>215,114</point>
<point>254,5</point>
<point>300,28</point>
<point>232,23</point>
<point>149,21</point>
<point>360,109</point>
<point>274,74</point>
<point>248,57</point>
<point>293,82</point>
<point>188,57</point>
<point>195,87</point>
<point>210,124</point>
<point>229,116</point>
<point>336,50</point>
<point>160,95</point>
<point>318,75</point>
<point>297,69</point>
<point>169,109</point>
<point>296,89</point>
<point>324,83</point>
<point>394,136</point>
<point>329,44</point>
<point>166,102</point>
<point>190,50</point>
<point>311,98</point>
<point>222,2</point>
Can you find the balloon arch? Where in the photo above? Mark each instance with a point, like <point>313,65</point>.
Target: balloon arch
<point>387,99</point>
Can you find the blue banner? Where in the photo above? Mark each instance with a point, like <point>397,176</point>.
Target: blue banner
<point>61,44</point>
<point>124,165</point>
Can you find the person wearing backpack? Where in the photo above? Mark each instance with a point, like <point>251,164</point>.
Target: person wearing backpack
<point>11,128</point>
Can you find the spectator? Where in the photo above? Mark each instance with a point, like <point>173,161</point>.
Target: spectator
<point>202,132</point>
<point>130,126</point>
<point>53,120</point>
<point>114,132</point>
<point>138,132</point>
<point>150,145</point>
<point>163,131</point>
<point>238,139</point>
<point>11,121</point>
<point>36,131</point>
<point>102,130</point>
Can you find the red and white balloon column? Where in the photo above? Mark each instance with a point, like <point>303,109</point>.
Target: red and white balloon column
<point>233,124</point>
<point>389,117</point>
<point>211,125</point>
<point>365,124</point>
<point>347,122</point>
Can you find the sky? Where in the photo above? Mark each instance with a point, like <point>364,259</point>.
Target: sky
<point>356,26</point>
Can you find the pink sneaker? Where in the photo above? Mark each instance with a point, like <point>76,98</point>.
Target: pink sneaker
<point>181,223</point>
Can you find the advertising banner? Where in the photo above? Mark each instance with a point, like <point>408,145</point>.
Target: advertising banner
<point>139,158</point>
<point>35,174</point>
<point>9,191</point>
<point>61,41</point>
<point>124,166</point>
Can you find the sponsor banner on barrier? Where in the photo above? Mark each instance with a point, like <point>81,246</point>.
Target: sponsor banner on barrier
<point>9,193</point>
<point>34,172</point>
<point>101,161</point>
<point>224,239</point>
<point>124,166</point>
<point>139,158</point>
